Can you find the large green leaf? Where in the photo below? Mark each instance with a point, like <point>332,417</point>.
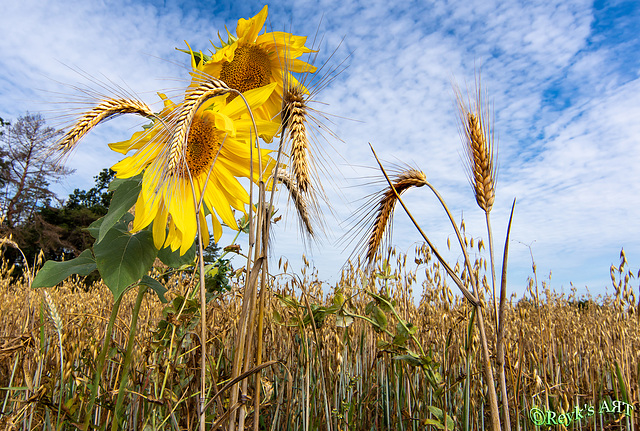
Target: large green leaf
<point>54,272</point>
<point>156,286</point>
<point>123,258</point>
<point>123,199</point>
<point>117,182</point>
<point>94,228</point>
<point>173,259</point>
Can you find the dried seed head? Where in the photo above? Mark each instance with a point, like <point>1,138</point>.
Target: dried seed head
<point>107,108</point>
<point>383,219</point>
<point>207,87</point>
<point>294,124</point>
<point>298,200</point>
<point>479,147</point>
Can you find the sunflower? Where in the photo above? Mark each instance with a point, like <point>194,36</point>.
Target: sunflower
<point>251,60</point>
<point>220,135</point>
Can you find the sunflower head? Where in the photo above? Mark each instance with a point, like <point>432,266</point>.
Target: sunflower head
<point>217,151</point>
<point>253,58</point>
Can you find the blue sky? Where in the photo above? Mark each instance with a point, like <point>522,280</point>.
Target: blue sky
<point>563,78</point>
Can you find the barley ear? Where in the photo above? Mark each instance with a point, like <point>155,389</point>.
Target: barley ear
<point>298,200</point>
<point>294,120</point>
<point>480,149</point>
<point>195,96</point>
<point>52,311</point>
<point>107,108</point>
<point>383,215</point>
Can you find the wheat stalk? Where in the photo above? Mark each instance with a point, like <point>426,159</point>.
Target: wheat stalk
<point>294,120</point>
<point>402,182</point>
<point>298,200</point>
<point>107,108</point>
<point>207,88</point>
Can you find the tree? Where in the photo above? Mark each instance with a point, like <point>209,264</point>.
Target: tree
<point>4,164</point>
<point>61,231</point>
<point>31,166</point>
<point>97,198</point>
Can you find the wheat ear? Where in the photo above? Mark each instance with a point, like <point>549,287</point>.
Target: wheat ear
<point>106,109</point>
<point>294,121</point>
<point>402,182</point>
<point>52,311</point>
<point>479,147</point>
<point>195,96</point>
<point>298,200</point>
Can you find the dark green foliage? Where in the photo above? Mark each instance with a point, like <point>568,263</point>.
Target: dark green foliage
<point>96,198</point>
<point>61,232</point>
<point>217,280</point>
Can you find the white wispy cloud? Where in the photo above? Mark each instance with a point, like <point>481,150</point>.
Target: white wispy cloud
<point>566,107</point>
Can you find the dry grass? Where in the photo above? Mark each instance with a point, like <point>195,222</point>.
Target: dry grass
<point>561,351</point>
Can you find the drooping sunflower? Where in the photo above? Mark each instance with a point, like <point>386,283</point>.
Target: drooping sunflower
<point>251,60</point>
<point>220,134</point>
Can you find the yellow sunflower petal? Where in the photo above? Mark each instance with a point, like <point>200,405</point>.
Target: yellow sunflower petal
<point>204,228</point>
<point>248,29</point>
<point>254,98</point>
<point>285,41</point>
<point>160,227</point>
<point>217,228</point>
<point>215,198</point>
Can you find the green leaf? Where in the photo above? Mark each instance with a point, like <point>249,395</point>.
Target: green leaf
<point>173,259</point>
<point>156,286</point>
<point>402,334</point>
<point>53,272</point>
<point>412,360</point>
<point>123,258</point>
<point>123,199</point>
<point>117,182</point>
<point>623,387</point>
<point>277,317</point>
<point>289,301</point>
<point>338,299</point>
<point>380,318</point>
<point>368,309</point>
<point>94,228</point>
<point>436,423</point>
<point>343,320</point>
<point>440,415</point>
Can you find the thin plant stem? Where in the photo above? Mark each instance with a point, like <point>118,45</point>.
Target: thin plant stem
<point>115,425</point>
<point>203,326</point>
<point>493,268</point>
<point>501,328</point>
<point>101,361</point>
